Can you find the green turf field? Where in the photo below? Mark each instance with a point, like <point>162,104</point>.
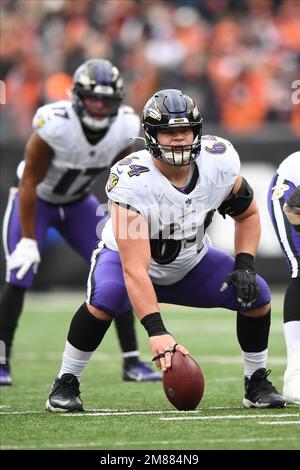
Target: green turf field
<point>122,415</point>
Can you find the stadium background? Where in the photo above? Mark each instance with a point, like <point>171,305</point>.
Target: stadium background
<point>237,58</point>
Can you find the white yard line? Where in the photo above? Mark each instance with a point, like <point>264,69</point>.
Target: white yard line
<point>179,418</point>
<point>122,413</point>
<point>128,444</point>
<point>229,417</point>
<point>102,412</point>
<point>112,411</point>
<point>187,414</point>
<point>280,422</point>
<point>27,412</point>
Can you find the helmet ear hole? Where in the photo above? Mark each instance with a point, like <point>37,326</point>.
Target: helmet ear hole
<point>169,109</point>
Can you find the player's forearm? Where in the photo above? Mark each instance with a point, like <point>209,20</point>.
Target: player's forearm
<point>247,234</point>
<point>28,202</point>
<point>141,292</point>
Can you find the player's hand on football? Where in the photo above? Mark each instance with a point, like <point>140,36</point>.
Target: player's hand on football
<point>163,348</point>
<point>246,285</point>
<point>25,255</point>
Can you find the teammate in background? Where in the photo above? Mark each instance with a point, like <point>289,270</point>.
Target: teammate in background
<point>284,209</point>
<point>73,141</point>
<point>155,249</point>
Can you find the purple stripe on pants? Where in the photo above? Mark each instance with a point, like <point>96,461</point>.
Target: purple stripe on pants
<point>287,236</point>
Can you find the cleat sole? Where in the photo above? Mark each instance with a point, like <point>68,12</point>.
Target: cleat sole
<point>54,409</point>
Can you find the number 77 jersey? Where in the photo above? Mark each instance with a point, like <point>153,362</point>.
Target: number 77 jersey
<point>76,162</point>
<point>177,220</point>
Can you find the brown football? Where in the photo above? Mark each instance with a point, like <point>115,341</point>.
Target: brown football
<point>184,382</point>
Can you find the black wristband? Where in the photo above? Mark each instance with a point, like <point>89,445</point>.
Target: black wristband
<point>244,261</point>
<point>153,324</point>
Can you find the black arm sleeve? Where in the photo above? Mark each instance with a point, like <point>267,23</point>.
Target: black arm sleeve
<point>239,202</point>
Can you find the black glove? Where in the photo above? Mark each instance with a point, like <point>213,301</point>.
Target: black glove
<point>243,278</point>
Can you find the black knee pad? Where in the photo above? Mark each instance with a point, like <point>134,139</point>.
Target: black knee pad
<point>86,331</point>
<point>253,332</point>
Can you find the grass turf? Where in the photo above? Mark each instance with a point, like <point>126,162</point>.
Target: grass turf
<point>122,415</point>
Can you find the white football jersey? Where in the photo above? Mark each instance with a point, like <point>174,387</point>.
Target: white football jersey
<point>76,163</point>
<point>289,169</point>
<point>176,220</point>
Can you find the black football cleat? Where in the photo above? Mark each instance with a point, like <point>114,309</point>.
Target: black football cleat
<point>64,395</point>
<point>260,393</point>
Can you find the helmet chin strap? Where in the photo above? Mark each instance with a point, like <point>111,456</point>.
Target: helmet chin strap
<point>96,124</point>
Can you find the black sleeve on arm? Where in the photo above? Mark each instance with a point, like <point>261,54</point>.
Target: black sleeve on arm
<point>237,203</point>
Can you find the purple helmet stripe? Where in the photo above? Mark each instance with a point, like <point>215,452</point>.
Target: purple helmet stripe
<point>105,75</point>
<point>100,70</point>
<point>110,75</point>
<point>171,103</point>
<point>175,105</point>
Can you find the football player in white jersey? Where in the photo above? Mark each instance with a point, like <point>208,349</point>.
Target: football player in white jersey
<point>73,141</point>
<point>284,209</point>
<point>155,249</point>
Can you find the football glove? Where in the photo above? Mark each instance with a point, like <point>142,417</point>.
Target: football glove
<point>243,278</point>
<point>25,255</point>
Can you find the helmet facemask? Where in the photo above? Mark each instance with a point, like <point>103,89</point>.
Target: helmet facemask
<point>97,80</point>
<point>176,155</point>
<point>97,120</point>
<point>166,110</point>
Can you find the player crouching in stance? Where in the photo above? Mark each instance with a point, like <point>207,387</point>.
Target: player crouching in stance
<point>154,249</point>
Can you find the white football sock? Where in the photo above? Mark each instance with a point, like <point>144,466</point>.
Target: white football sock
<point>74,361</point>
<point>254,361</point>
<point>292,335</point>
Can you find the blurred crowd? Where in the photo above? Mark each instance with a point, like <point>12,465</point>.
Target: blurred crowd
<point>237,58</point>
